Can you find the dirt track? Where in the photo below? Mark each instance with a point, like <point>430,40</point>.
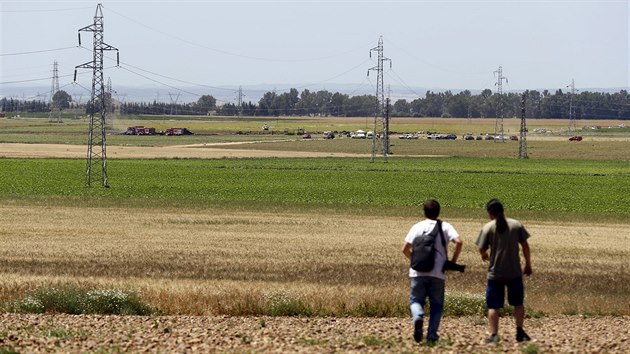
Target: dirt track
<point>129,152</point>
<point>78,334</point>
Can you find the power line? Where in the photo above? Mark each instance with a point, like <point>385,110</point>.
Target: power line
<point>230,53</point>
<point>40,10</point>
<point>36,51</point>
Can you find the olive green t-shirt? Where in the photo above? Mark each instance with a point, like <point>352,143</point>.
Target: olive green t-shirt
<point>505,262</point>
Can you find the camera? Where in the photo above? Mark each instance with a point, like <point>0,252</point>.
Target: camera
<point>448,265</point>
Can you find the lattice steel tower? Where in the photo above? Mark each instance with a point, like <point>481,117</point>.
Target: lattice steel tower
<point>522,142</point>
<point>54,88</point>
<point>381,120</point>
<point>240,101</point>
<point>97,107</point>
<point>498,126</point>
<point>572,123</point>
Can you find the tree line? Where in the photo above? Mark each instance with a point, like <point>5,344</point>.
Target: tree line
<point>486,104</point>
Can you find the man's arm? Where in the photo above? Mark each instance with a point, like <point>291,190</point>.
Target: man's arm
<point>458,248</point>
<point>528,260</point>
<point>484,254</point>
<point>407,250</point>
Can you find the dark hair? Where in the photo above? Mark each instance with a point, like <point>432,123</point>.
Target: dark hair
<point>495,208</point>
<point>431,209</point>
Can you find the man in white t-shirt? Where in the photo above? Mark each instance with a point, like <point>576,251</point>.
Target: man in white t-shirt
<point>430,284</point>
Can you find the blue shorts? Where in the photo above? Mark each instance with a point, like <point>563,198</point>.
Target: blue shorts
<point>495,292</point>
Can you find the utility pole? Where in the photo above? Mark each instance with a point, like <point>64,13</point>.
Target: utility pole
<point>572,123</point>
<point>522,142</point>
<point>97,144</point>
<point>54,88</point>
<point>381,121</point>
<point>498,126</point>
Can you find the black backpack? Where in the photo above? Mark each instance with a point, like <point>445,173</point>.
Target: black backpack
<point>423,249</point>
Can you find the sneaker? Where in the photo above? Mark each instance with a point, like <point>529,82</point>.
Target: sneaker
<point>417,330</point>
<point>432,340</point>
<point>493,339</point>
<point>522,336</point>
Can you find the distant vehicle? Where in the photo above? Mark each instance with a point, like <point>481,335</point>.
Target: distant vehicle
<point>329,135</point>
<point>489,137</point>
<point>359,134</point>
<point>178,131</point>
<point>479,137</point>
<point>140,130</point>
<point>451,136</point>
<point>306,136</point>
<point>265,126</point>
<point>408,136</point>
<point>576,138</point>
<point>2,115</point>
<point>469,137</point>
<point>514,137</point>
<point>369,135</point>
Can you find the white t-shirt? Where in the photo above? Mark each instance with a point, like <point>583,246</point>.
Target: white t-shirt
<point>426,226</point>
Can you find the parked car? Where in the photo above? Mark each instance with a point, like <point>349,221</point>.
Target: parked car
<point>359,134</point>
<point>514,137</point>
<point>306,136</point>
<point>408,136</point>
<point>576,138</point>
<point>329,135</point>
<point>469,137</point>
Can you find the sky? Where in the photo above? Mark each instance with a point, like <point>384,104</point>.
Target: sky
<point>211,47</point>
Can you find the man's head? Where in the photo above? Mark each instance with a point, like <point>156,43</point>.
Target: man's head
<point>494,208</point>
<point>431,209</point>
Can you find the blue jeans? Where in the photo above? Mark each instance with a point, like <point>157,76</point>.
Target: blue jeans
<point>421,287</point>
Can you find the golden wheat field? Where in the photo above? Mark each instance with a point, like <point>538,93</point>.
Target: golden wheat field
<point>202,262</point>
<point>209,271</point>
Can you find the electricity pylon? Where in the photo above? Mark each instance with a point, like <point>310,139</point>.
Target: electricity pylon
<point>522,142</point>
<point>174,102</point>
<point>381,120</point>
<point>54,88</point>
<point>498,126</point>
<point>240,101</point>
<point>572,123</point>
<point>97,107</point>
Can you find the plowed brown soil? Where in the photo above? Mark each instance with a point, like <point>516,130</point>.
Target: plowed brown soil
<point>81,334</point>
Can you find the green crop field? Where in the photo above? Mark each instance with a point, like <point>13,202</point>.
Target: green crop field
<point>338,183</point>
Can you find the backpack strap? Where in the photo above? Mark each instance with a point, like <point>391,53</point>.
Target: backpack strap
<point>439,225</point>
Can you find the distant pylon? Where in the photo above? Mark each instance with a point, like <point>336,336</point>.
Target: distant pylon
<point>97,108</point>
<point>54,88</point>
<point>174,103</point>
<point>572,122</point>
<point>522,143</point>
<point>381,120</point>
<point>240,101</point>
<point>498,126</point>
